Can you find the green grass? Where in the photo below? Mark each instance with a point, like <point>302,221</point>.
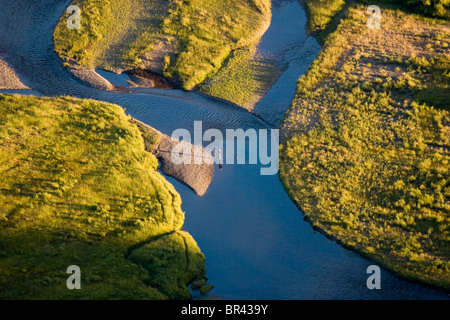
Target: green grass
<point>114,34</point>
<point>78,188</point>
<point>436,8</point>
<point>159,258</point>
<point>243,80</point>
<point>367,142</point>
<point>321,12</point>
<point>198,35</point>
<point>209,30</point>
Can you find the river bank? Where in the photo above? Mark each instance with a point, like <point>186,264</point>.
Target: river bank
<point>340,161</point>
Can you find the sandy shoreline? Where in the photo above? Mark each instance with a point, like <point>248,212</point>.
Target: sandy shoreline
<point>197,177</point>
<point>9,78</point>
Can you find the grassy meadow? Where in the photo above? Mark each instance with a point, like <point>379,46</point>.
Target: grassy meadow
<point>186,41</point>
<point>366,151</point>
<point>78,188</point>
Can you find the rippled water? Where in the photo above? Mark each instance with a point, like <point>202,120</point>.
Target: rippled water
<point>256,243</point>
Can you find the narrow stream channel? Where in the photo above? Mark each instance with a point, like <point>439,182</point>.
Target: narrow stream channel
<point>256,243</point>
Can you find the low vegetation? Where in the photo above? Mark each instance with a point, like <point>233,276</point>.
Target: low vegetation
<point>321,12</point>
<point>114,34</point>
<point>366,152</point>
<point>186,41</point>
<point>208,31</point>
<point>168,270</point>
<point>78,188</point>
<point>243,80</point>
<point>437,8</point>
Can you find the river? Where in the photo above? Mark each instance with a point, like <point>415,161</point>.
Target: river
<point>256,243</point>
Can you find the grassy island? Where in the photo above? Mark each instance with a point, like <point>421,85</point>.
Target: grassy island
<point>185,41</point>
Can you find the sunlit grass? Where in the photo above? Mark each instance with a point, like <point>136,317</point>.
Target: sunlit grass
<point>243,80</point>
<point>201,34</point>
<point>78,188</point>
<point>367,150</point>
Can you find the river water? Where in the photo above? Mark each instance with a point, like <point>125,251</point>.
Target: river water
<point>256,243</point>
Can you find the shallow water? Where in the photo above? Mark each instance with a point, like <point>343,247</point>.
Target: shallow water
<point>293,50</point>
<point>118,80</point>
<point>256,244</point>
